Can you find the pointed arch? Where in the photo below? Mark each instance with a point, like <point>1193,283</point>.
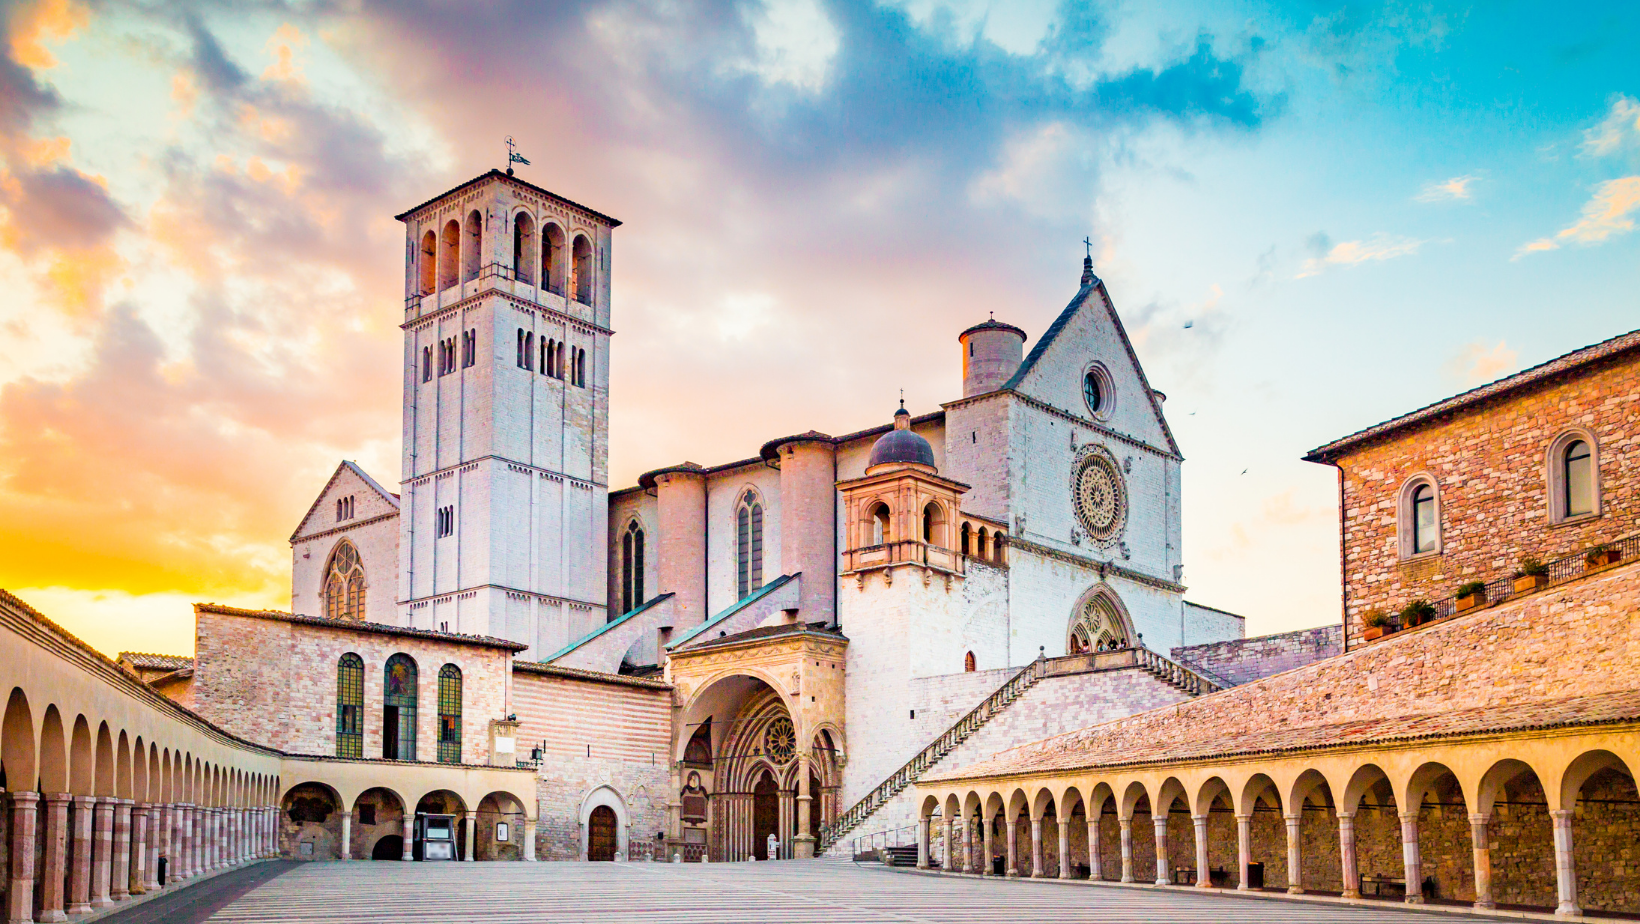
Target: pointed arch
<point>1100,622</point>
<point>749,542</point>
<point>344,583</point>
<point>632,565</point>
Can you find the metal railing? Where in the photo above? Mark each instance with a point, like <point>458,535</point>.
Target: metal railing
<point>871,846</point>
<point>1558,571</point>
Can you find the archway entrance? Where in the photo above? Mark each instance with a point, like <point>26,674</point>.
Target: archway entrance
<point>602,835</point>
<point>388,847</point>
<point>765,815</point>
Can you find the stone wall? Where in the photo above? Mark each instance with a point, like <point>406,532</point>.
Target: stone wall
<point>1490,465</point>
<point>273,681</point>
<point>1240,661</point>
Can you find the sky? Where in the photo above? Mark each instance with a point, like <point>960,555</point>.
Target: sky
<point>1312,216</point>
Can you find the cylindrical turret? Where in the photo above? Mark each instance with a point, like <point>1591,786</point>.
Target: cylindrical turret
<point>808,521</point>
<point>991,354</point>
<point>680,502</point>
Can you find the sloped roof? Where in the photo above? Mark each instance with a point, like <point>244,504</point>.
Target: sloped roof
<point>624,618</point>
<point>497,174</point>
<point>732,609</point>
<point>1560,365</point>
<point>353,625</point>
<point>1095,285</point>
<point>759,633</point>
<point>144,660</point>
<point>579,673</point>
<point>345,466</point>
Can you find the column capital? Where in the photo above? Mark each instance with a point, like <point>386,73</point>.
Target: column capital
<point>1241,817</point>
<point>1408,817</point>
<point>26,798</point>
<point>1562,814</point>
<point>1480,818</point>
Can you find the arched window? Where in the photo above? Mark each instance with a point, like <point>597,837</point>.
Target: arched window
<point>344,583</point>
<point>632,567</point>
<point>524,248</point>
<point>350,706</point>
<point>529,351</point>
<point>1099,625</point>
<point>552,259</point>
<point>427,263</point>
<point>471,252</point>
<point>999,541</point>
<point>749,543</point>
<point>582,278</point>
<point>449,714</point>
<point>399,709</point>
<point>968,665</point>
<point>449,257</point>
<point>581,367</point>
<point>877,521</point>
<point>933,531</point>
<point>1574,476</point>
<point>1418,517</point>
<point>967,535</point>
<point>980,543</point>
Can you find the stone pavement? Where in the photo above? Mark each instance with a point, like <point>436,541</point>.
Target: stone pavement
<point>793,892</point>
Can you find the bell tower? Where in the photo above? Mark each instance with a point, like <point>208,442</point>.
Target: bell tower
<point>504,503</point>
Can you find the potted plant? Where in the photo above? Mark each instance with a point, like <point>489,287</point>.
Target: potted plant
<point>1602,555</point>
<point>1531,575</point>
<point>1471,595</point>
<point>1376,623</point>
<point>1417,613</point>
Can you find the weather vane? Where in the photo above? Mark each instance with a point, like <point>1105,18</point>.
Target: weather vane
<point>513,157</point>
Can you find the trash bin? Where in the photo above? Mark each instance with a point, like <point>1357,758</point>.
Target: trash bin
<point>1255,875</point>
<point>998,866</point>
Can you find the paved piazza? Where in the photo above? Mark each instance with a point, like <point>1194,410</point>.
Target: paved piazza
<point>825,892</point>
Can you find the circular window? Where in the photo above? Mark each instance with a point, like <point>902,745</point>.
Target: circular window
<point>1097,391</point>
<point>780,741</point>
<point>1100,496</point>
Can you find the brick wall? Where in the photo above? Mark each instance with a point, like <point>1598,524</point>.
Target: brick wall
<point>1490,467</point>
<point>1244,660</point>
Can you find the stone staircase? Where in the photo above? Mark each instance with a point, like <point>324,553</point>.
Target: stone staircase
<point>1181,678</point>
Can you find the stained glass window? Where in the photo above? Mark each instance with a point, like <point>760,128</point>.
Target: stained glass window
<point>344,583</point>
<point>399,709</point>
<point>632,567</point>
<point>749,543</point>
<point>350,706</point>
<point>449,714</point>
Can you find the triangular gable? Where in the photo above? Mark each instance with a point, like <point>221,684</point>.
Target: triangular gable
<point>1052,371</point>
<point>372,501</point>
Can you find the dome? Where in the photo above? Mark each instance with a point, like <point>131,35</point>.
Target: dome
<point>900,445</point>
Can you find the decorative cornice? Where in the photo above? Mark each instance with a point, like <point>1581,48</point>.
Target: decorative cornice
<point>1103,567</point>
<point>485,291</point>
<point>352,524</point>
<point>492,457</point>
<point>450,594</point>
<point>1062,414</point>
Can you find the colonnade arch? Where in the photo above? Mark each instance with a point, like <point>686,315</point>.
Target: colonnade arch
<point>1532,823</point>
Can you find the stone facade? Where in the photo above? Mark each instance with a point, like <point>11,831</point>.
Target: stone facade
<point>271,678</point>
<point>354,509</point>
<point>1487,457</point>
<point>1240,661</point>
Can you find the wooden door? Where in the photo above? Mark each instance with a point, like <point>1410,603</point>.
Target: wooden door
<point>765,815</point>
<point>601,836</point>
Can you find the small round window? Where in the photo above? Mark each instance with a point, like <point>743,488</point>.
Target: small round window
<point>1097,392</point>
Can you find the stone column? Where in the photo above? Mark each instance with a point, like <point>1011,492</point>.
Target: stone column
<point>924,832</point>
<point>803,841</point>
<point>102,850</point>
<point>409,832</point>
<point>1483,860</point>
<point>949,861</point>
<point>1096,869</point>
<point>529,840</point>
<point>1295,850</point>
<point>1126,826</point>
<point>1410,856</point>
<point>81,867</point>
<point>54,857</point>
<point>1164,867</point>
<point>119,885</point>
<point>1346,855</point>
<point>1036,848</point>
<point>985,866</point>
<point>197,842</point>
<point>1012,865</point>
<point>1565,869</point>
<point>469,827</point>
<point>1064,848</point>
<point>139,848</point>
<point>345,848</point>
<point>180,866</point>
<point>213,838</point>
<point>20,890</point>
<point>968,843</point>
<point>1244,847</point>
<point>1204,876</point>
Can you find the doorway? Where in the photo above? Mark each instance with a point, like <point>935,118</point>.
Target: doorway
<point>765,815</point>
<point>601,834</point>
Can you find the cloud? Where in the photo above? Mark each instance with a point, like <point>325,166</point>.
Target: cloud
<point>1454,189</point>
<point>1352,253</point>
<point>1476,363</point>
<point>1606,213</point>
<point>1620,129</point>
